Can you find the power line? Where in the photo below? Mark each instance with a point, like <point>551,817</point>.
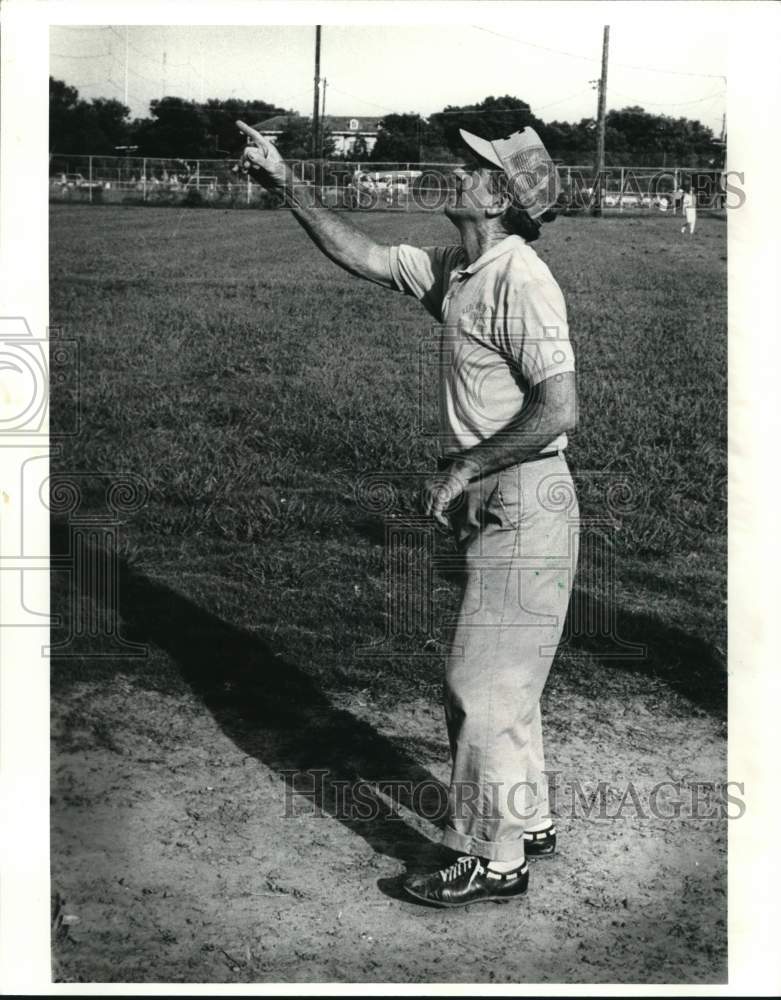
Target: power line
<point>169,65</point>
<point>668,104</point>
<point>514,111</point>
<point>188,66</point>
<point>577,93</point>
<point>307,91</point>
<point>672,72</point>
<point>94,55</point>
<point>534,45</point>
<point>575,55</point>
<point>79,27</point>
<point>135,48</point>
<point>483,111</point>
<point>142,77</point>
<point>532,109</point>
<point>121,87</point>
<point>362,99</point>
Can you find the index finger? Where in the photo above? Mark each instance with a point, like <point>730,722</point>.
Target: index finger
<point>252,135</point>
<point>441,522</point>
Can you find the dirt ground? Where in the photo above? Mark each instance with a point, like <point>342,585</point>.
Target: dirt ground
<point>183,856</point>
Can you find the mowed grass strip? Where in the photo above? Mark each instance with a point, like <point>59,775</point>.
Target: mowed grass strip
<point>252,384</point>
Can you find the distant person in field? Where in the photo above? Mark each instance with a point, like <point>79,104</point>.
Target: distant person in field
<point>689,204</point>
<point>507,400</point>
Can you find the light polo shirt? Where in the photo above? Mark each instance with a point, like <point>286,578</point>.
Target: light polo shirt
<point>504,329</point>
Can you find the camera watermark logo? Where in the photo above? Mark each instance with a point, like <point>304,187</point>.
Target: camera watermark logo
<point>28,366</point>
<point>25,378</point>
<point>63,523</point>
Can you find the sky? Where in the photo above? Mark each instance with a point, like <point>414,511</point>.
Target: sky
<point>669,58</point>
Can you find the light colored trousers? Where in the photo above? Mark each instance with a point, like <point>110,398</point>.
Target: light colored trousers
<point>518,532</point>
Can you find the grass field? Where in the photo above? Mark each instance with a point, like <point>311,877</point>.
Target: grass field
<point>251,385</point>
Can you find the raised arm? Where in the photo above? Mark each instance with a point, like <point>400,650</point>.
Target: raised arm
<point>339,240</point>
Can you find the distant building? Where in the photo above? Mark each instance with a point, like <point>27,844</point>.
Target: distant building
<point>344,129</point>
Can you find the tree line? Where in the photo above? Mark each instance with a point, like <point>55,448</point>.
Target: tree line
<point>179,128</point>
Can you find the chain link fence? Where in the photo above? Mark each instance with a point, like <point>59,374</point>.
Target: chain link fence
<point>358,186</point>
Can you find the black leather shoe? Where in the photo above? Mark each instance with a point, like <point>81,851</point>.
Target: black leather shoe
<point>541,844</point>
<point>467,880</point>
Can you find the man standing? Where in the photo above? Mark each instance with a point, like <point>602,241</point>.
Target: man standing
<point>507,400</point>
<point>689,204</point>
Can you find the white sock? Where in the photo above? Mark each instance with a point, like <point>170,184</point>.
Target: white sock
<point>546,824</point>
<point>506,866</point>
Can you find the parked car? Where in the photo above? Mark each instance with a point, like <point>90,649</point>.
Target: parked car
<point>386,185</point>
<point>78,182</point>
<point>630,199</point>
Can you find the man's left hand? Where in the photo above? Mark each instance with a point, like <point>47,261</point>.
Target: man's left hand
<point>441,491</point>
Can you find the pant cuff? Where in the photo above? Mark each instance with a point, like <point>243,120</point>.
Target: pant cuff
<point>506,850</point>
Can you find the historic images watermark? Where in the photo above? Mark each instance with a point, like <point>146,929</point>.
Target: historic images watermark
<point>367,187</point>
<point>317,792</point>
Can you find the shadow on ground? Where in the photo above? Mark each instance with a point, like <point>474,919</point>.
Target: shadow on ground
<point>642,643</point>
<point>273,711</point>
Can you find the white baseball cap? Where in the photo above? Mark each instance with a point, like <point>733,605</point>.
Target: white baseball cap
<point>534,179</point>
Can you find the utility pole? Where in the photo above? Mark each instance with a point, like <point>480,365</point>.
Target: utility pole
<point>600,164</point>
<point>322,121</point>
<point>721,142</point>
<point>316,107</point>
<point>165,60</point>
<point>126,58</point>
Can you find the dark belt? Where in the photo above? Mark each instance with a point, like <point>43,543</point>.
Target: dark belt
<point>447,459</point>
<point>542,454</point>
